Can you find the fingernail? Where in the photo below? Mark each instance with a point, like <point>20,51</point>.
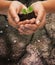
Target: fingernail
<point>37,22</point>
<point>17,19</point>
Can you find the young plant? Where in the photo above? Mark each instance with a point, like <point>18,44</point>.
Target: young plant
<point>24,11</point>
<point>29,10</point>
<point>27,14</point>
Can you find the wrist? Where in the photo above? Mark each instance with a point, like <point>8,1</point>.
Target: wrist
<point>49,5</point>
<point>46,6</point>
<point>4,5</point>
<point>7,4</point>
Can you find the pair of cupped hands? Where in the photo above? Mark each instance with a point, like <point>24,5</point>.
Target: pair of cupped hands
<point>26,27</point>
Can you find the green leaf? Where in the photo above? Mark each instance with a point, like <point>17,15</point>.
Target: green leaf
<point>24,11</point>
<point>30,9</point>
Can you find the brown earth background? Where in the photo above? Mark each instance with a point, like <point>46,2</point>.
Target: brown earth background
<point>36,49</point>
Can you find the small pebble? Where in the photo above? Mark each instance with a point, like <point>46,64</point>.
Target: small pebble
<point>6,25</point>
<point>53,27</point>
<point>38,40</point>
<point>8,59</point>
<point>14,41</point>
<point>1,31</point>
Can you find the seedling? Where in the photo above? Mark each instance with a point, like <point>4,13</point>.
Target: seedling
<point>27,11</point>
<point>27,14</point>
<point>24,11</point>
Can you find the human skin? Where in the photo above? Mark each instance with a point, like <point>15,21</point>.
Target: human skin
<point>49,5</point>
<point>4,6</point>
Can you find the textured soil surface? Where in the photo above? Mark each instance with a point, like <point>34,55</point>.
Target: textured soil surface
<point>36,49</point>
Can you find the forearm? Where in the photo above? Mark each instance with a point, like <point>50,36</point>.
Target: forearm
<point>49,5</point>
<point>4,5</point>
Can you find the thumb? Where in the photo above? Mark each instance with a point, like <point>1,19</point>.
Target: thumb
<point>39,17</point>
<point>24,7</point>
<point>13,13</point>
<point>20,10</point>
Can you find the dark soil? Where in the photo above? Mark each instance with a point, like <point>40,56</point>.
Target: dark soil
<point>27,16</point>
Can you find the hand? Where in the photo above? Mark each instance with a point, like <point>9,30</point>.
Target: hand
<point>29,26</point>
<point>13,11</point>
<point>40,13</point>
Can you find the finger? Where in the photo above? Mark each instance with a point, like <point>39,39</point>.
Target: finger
<point>11,22</point>
<point>32,21</point>
<point>14,14</point>
<point>23,7</point>
<point>24,30</point>
<point>43,22</point>
<point>25,33</point>
<point>40,17</point>
<point>23,22</point>
<point>20,31</point>
<point>30,27</point>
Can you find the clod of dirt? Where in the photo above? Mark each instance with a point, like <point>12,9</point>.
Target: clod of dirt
<point>16,43</point>
<point>3,48</point>
<point>50,26</point>
<point>27,16</point>
<point>32,57</point>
